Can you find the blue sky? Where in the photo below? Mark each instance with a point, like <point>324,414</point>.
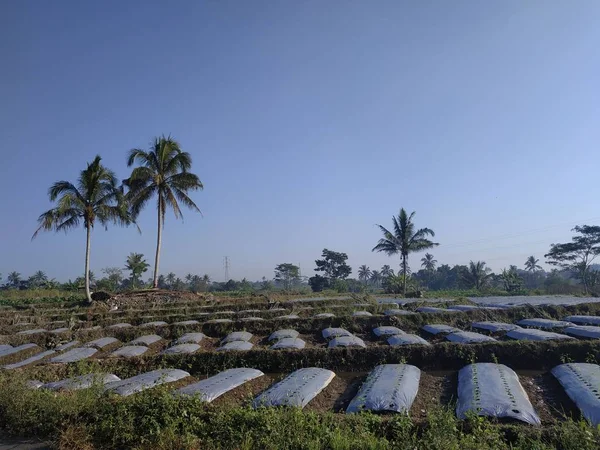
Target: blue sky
<point>308,122</point>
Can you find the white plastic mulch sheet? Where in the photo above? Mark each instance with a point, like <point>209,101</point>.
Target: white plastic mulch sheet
<point>237,336</point>
<point>398,312</point>
<point>236,345</point>
<point>130,351</point>
<point>60,330</point>
<point>213,387</point>
<point>297,389</point>
<point>467,337</point>
<point>4,347</point>
<point>186,323</point>
<point>495,327</point>
<point>75,354</point>
<point>282,334</point>
<point>464,307</point>
<point>581,381</point>
<point>7,351</point>
<point>544,323</point>
<point>191,338</point>
<point>584,320</point>
<point>387,331</point>
<point>586,331</point>
<point>329,333</point>
<point>288,317</point>
<point>535,335</point>
<point>117,326</point>
<point>289,343</point>
<point>220,321</point>
<point>406,339</point>
<point>490,389</point>
<point>145,381</point>
<point>346,341</point>
<point>30,360</point>
<point>81,382</point>
<point>361,314</point>
<point>251,319</point>
<point>389,387</point>
<point>438,328</point>
<point>66,346</point>
<point>146,340</point>
<point>324,315</point>
<point>158,323</point>
<point>102,342</point>
<point>181,348</point>
<point>433,309</point>
<point>37,331</point>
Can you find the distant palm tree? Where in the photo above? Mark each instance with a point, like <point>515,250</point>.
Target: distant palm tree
<point>38,279</point>
<point>170,280</point>
<point>364,273</point>
<point>96,197</point>
<point>163,171</point>
<point>137,265</point>
<point>375,277</point>
<point>386,271</point>
<point>428,262</point>
<point>14,279</point>
<point>206,279</point>
<point>404,240</point>
<point>477,275</point>
<point>531,265</point>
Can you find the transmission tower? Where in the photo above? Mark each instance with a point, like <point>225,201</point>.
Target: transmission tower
<point>226,267</point>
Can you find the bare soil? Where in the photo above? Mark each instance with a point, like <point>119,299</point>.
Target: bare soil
<point>435,390</point>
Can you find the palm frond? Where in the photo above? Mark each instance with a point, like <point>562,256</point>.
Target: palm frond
<point>63,187</point>
<point>183,198</point>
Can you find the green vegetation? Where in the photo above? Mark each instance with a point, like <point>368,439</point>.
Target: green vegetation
<point>287,275</point>
<point>137,265</point>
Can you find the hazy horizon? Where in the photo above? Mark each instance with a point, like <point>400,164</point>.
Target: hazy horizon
<point>308,123</point>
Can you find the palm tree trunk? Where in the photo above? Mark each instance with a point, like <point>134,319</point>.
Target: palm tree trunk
<point>87,265</point>
<point>158,242</point>
<point>404,257</point>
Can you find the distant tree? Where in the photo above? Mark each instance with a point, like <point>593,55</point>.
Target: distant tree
<point>386,271</point>
<point>266,285</point>
<point>170,280</point>
<point>428,263</point>
<point>333,265</point>
<point>578,255</point>
<point>287,274</point>
<point>531,265</point>
<point>477,276</point>
<point>114,277</point>
<point>163,171</point>
<point>137,265</point>
<point>511,280</point>
<point>96,197</point>
<point>206,279</point>
<point>14,279</point>
<point>38,279</point>
<point>318,283</point>
<point>375,278</point>
<point>404,240</point>
<point>364,273</point>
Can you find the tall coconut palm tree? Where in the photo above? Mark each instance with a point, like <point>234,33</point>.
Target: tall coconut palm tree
<point>404,240</point>
<point>364,273</point>
<point>95,198</point>
<point>428,263</point>
<point>375,277</point>
<point>477,275</point>
<point>163,172</point>
<point>531,265</point>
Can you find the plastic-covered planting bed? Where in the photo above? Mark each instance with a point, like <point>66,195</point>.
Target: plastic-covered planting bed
<point>585,331</point>
<point>28,332</point>
<point>282,334</point>
<point>464,307</point>
<point>581,381</point>
<point>237,336</point>
<point>297,389</point>
<point>361,314</point>
<point>288,317</point>
<point>180,349</point>
<point>81,382</point>
<point>186,323</point>
<point>544,323</point>
<point>389,387</point>
<point>215,386</point>
<point>66,346</point>
<point>158,323</point>
<point>438,328</point>
<point>220,321</point>
<point>148,339</point>
<point>495,327</point>
<point>8,350</point>
<point>191,338</point>
<point>489,389</point>
<point>289,343</point>
<point>406,339</point>
<point>235,345</point>
<point>130,351</point>
<point>346,341</point>
<point>584,320</point>
<point>118,326</point>
<point>59,330</point>
<point>249,311</point>
<point>145,381</point>
<point>398,312</point>
<point>330,333</point>
<point>75,354</point>
<point>251,319</point>
<point>468,337</point>
<point>102,342</point>
<point>535,335</point>
<point>29,360</point>
<point>324,316</point>
<point>433,309</point>
<point>387,331</point>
